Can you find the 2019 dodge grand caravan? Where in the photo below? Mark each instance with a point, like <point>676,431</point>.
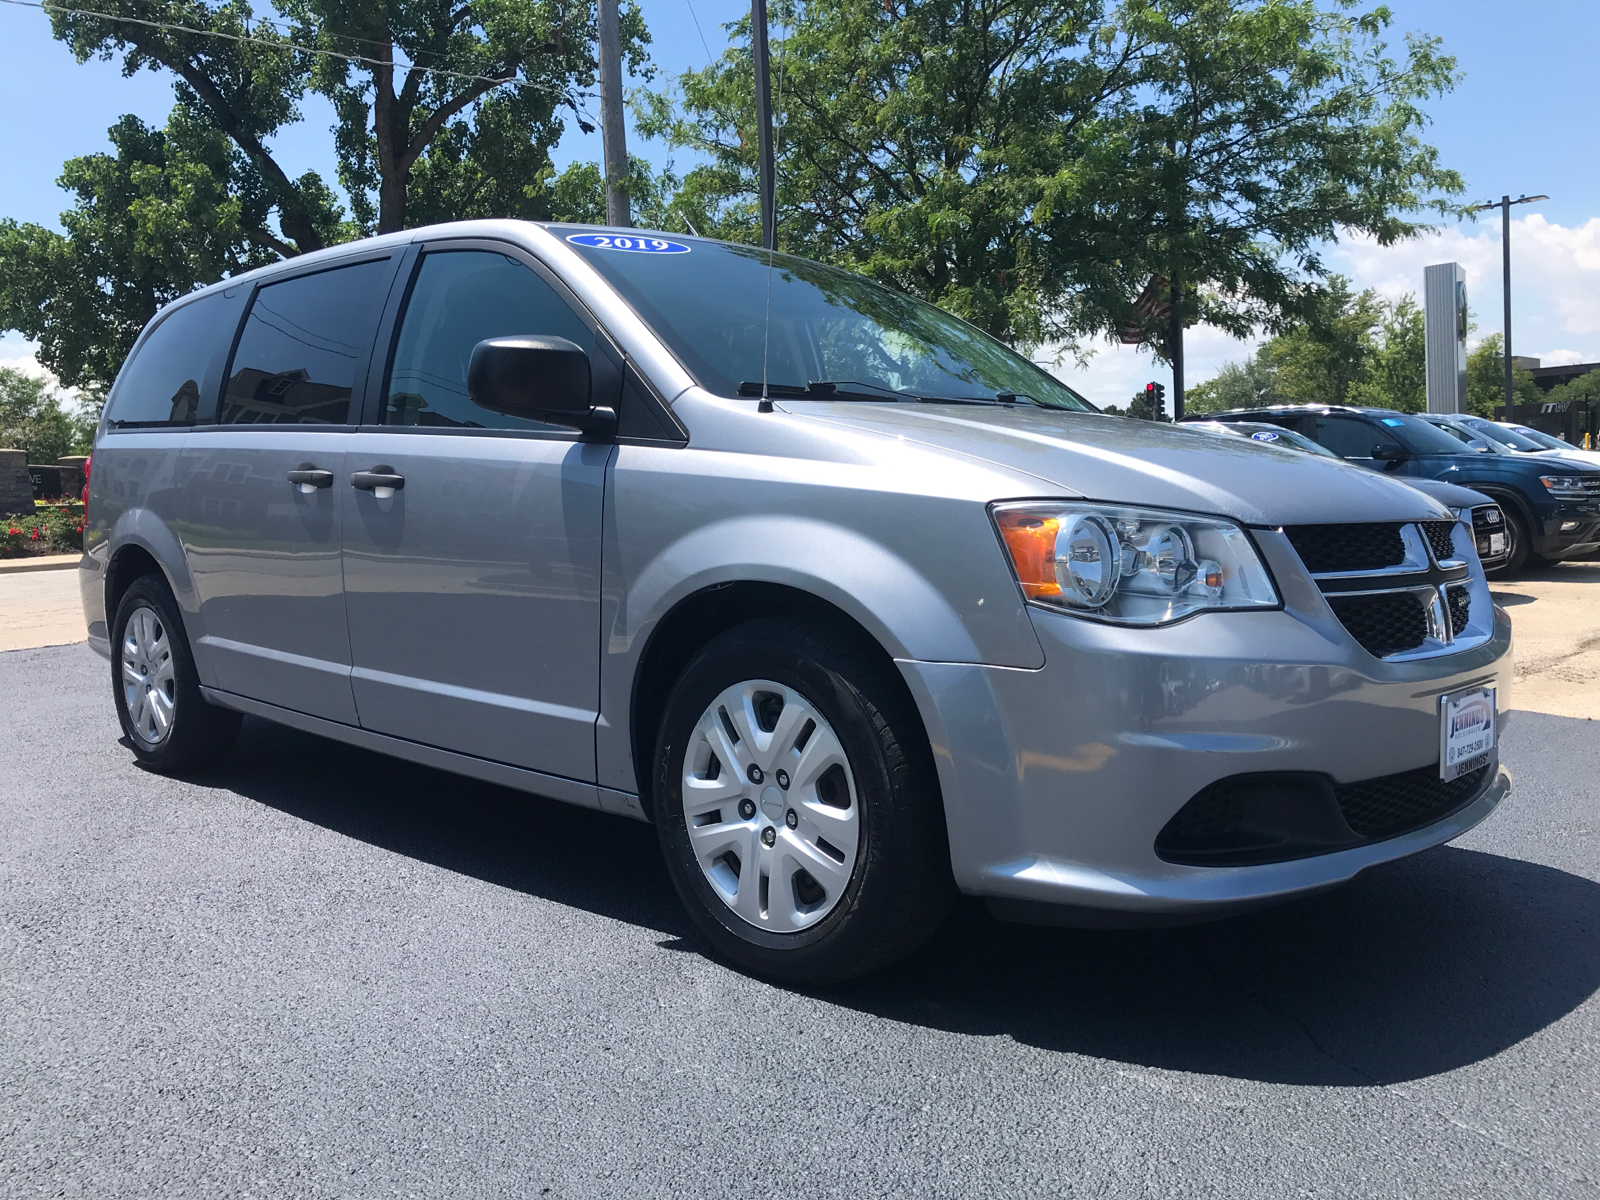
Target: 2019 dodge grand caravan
<point>858,607</point>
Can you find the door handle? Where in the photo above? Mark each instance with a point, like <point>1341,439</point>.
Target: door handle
<point>308,478</point>
<point>381,481</point>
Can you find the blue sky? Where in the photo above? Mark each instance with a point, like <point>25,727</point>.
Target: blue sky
<point>1521,121</point>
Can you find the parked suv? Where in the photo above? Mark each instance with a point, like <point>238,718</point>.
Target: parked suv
<point>1552,507</point>
<point>858,607</point>
<point>1484,515</point>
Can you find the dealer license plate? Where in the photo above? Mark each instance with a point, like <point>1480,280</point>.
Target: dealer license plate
<point>1466,732</point>
<point>1497,543</point>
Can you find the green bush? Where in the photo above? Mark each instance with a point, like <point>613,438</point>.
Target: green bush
<point>48,529</point>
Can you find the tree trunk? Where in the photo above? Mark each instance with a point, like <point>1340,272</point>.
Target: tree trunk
<point>394,171</point>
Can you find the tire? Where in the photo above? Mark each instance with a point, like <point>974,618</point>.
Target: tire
<point>170,725</point>
<point>863,777</point>
<point>1521,540</point>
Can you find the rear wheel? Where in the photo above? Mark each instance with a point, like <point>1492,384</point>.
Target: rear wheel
<point>169,723</point>
<point>797,806</point>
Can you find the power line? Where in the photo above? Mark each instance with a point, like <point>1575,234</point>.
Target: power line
<point>701,32</point>
<point>169,27</point>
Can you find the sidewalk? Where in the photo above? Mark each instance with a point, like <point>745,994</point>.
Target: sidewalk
<point>39,607</point>
<point>38,562</point>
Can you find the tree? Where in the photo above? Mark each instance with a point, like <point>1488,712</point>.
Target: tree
<point>1319,361</point>
<point>472,119</point>
<point>458,97</point>
<point>1584,389</point>
<point>32,418</point>
<point>1250,384</point>
<point>1397,365</point>
<point>170,210</point>
<point>1030,164</point>
<point>244,78</point>
<point>1486,381</point>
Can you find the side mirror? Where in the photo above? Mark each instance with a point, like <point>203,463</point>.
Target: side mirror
<point>537,378</point>
<point>1482,447</point>
<point>1390,453</point>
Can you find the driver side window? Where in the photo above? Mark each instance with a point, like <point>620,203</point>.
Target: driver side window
<point>460,298</point>
<point>1351,437</point>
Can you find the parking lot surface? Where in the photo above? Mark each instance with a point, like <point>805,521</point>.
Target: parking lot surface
<point>318,972</point>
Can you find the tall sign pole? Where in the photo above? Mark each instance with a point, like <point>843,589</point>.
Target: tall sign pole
<point>613,132</point>
<point>1504,205</point>
<point>758,46</point>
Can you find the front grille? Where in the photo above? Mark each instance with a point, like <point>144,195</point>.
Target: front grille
<point>1441,538</point>
<point>1394,804</point>
<point>1460,608</point>
<point>1488,518</point>
<point>1365,547</point>
<point>1264,818</point>
<point>1383,623</point>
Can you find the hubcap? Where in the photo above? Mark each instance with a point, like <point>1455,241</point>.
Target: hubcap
<point>149,684</point>
<point>779,856</point>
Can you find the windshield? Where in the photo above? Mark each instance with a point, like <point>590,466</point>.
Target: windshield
<point>1541,439</point>
<point>1268,433</point>
<point>1467,436</point>
<point>1502,435</point>
<point>709,302</point>
<point>1419,436</point>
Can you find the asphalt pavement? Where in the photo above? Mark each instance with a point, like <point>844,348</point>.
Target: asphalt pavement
<point>319,972</point>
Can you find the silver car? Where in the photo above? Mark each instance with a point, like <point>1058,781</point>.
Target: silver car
<point>861,609</point>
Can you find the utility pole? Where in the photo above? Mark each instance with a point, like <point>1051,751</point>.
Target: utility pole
<point>758,47</point>
<point>1504,205</point>
<point>613,133</point>
<point>1175,344</point>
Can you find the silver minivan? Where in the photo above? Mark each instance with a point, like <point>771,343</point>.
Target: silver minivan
<point>861,609</point>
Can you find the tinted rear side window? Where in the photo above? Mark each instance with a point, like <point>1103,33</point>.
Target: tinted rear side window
<point>302,345</point>
<point>161,383</point>
<point>1350,437</point>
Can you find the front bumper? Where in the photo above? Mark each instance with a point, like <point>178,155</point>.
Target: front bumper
<point>1057,780</point>
<point>1573,532</point>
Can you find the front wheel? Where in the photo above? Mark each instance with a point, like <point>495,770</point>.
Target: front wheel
<point>168,722</point>
<point>1519,550</point>
<point>797,805</point>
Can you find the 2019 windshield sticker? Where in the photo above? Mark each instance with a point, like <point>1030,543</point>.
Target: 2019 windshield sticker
<point>639,245</point>
<point>1264,436</point>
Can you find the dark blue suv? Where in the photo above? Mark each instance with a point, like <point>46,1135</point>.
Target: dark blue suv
<point>1552,507</point>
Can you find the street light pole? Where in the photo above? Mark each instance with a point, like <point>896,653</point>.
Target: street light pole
<point>1504,205</point>
<point>612,130</point>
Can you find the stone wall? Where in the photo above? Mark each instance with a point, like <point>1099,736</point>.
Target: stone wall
<point>71,476</point>
<point>16,491</point>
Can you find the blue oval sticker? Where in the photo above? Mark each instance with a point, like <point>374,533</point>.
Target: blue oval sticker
<point>618,241</point>
<point>1263,436</point>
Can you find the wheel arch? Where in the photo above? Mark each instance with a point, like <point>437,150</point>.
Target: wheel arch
<point>691,623</point>
<point>142,544</point>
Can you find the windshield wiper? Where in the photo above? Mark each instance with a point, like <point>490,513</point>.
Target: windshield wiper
<point>827,389</point>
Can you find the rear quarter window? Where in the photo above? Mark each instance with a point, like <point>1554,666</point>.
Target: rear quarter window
<point>163,382</point>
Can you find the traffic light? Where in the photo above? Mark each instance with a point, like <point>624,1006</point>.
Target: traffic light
<point>1156,394</point>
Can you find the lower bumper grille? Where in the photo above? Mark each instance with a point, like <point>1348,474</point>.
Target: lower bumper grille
<point>1247,820</point>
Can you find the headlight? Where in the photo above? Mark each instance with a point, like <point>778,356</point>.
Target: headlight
<point>1565,487</point>
<point>1133,566</point>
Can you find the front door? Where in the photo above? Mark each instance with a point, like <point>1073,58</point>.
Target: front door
<point>263,509</point>
<point>472,541</point>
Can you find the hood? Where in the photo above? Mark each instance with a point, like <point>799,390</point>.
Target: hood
<point>1123,461</point>
<point>1451,494</point>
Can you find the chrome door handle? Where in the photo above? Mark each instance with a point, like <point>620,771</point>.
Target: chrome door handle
<point>308,478</point>
<point>381,481</point>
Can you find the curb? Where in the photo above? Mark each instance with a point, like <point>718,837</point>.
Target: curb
<point>43,562</point>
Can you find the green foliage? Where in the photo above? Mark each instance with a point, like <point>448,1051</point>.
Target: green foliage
<point>32,418</point>
<point>171,209</point>
<point>1029,164</point>
<point>446,138</point>
<point>1353,349</point>
<point>578,195</point>
<point>1583,389</point>
<point>248,91</point>
<point>1486,381</point>
<point>48,529</point>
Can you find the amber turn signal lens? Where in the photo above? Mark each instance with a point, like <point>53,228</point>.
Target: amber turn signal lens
<point>1031,541</point>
